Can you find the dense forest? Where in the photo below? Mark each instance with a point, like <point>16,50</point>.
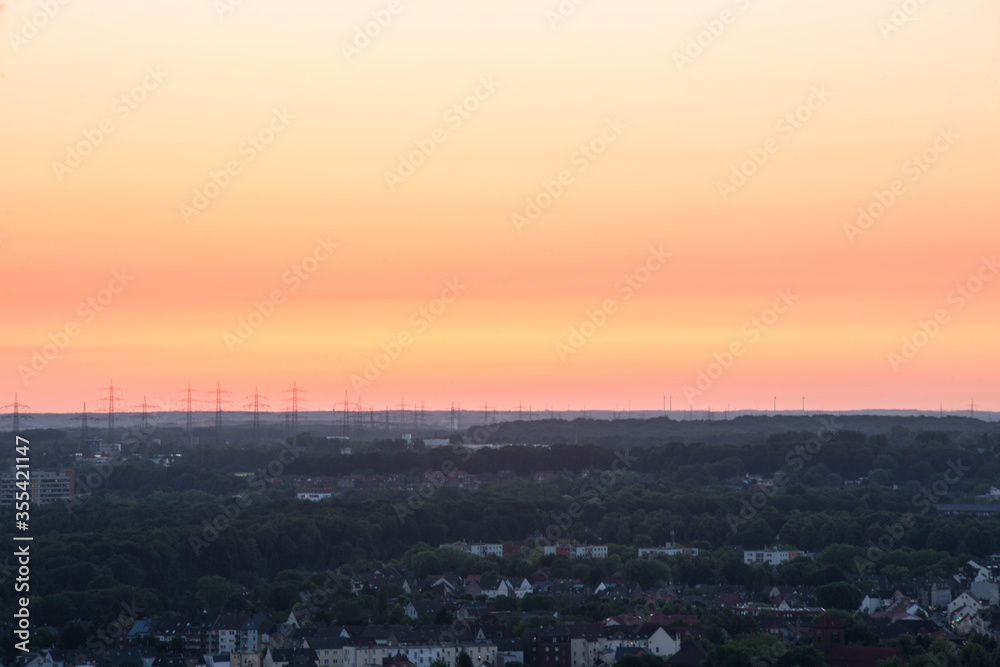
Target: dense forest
<point>191,536</point>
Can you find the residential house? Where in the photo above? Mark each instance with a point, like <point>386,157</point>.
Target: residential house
<point>691,654</point>
<point>586,643</point>
<point>985,591</point>
<point>241,658</point>
<point>329,650</point>
<point>547,647</point>
<point>829,639</point>
<point>290,658</point>
<point>254,633</point>
<point>964,605</point>
<point>654,639</point>
<point>421,609</point>
<point>509,650</point>
<point>491,588</point>
<point>224,636</point>
<point>195,633</point>
<point>471,611</point>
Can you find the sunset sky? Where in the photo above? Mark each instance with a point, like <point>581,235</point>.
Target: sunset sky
<point>182,164</point>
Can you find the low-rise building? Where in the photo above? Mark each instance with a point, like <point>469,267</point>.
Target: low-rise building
<point>576,550</point>
<point>479,549</point>
<point>668,549</point>
<point>771,556</point>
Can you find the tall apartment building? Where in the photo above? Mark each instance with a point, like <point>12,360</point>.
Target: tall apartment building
<point>45,487</point>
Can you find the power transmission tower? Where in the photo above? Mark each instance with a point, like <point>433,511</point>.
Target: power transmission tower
<point>144,418</point>
<point>347,407</point>
<point>188,403</point>
<point>294,407</point>
<point>113,397</point>
<point>218,392</point>
<point>292,410</point>
<point>84,434</point>
<point>16,415</point>
<point>359,415</point>
<point>257,404</point>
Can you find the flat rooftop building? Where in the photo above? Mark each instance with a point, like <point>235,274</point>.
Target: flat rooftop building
<point>45,487</point>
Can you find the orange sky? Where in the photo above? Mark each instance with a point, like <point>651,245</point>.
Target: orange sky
<point>634,115</point>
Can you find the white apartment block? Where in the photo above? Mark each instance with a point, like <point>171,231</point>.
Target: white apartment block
<point>770,556</point>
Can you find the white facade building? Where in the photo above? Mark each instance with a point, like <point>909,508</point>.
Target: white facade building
<point>771,556</point>
<point>668,549</point>
<point>577,550</point>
